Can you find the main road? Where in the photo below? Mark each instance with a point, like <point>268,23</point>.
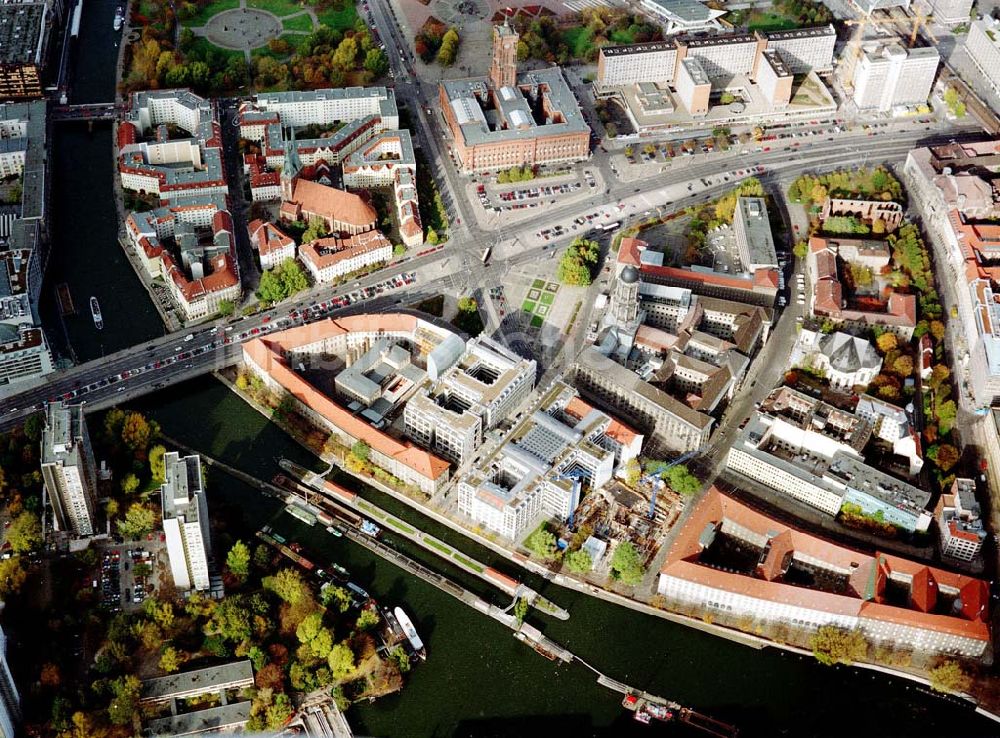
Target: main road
<point>147,367</point>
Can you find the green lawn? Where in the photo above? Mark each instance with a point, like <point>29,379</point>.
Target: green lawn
<point>548,298</point>
<point>278,7</point>
<point>538,284</point>
<point>341,20</point>
<point>528,306</point>
<point>771,22</point>
<point>201,17</point>
<point>537,321</point>
<point>298,23</point>
<point>578,40</point>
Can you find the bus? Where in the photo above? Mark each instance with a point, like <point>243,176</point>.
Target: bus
<point>611,226</point>
<point>486,255</point>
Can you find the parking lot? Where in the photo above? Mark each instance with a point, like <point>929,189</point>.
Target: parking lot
<point>129,573</point>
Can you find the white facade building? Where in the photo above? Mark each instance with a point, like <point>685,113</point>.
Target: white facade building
<point>68,469</point>
<point>185,521</point>
<point>895,77</point>
<point>983,44</point>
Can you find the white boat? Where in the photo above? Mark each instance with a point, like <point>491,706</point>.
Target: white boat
<point>95,313</point>
<point>119,18</point>
<point>411,633</point>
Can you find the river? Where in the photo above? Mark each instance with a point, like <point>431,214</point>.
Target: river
<point>478,680</point>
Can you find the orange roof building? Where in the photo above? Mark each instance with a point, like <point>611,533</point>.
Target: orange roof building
<point>897,312</point>
<point>272,244</point>
<point>272,358</point>
<point>330,258</point>
<point>734,562</point>
<point>343,212</point>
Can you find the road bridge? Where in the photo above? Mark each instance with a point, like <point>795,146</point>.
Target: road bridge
<point>87,112</point>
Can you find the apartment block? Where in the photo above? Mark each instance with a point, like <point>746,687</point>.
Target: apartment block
<point>893,77</point>
<point>468,395</point>
<point>669,424</point>
<point>805,49</point>
<point>275,359</point>
<point>24,350</point>
<point>960,524</point>
<point>185,521</point>
<point>68,469</point>
<point>774,78</point>
<point>629,65</point>
<point>983,45</point>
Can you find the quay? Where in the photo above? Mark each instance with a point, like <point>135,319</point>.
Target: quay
<point>331,492</point>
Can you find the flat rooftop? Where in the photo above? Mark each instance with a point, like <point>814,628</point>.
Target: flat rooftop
<point>213,719</point>
<point>199,681</point>
<point>22,29</point>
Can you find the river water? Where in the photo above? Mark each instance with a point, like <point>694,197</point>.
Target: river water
<point>478,680</point>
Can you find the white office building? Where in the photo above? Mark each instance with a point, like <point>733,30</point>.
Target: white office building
<point>894,77</point>
<point>68,469</point>
<point>185,521</point>
<point>983,45</point>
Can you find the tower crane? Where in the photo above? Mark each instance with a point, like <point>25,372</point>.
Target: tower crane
<point>655,480</point>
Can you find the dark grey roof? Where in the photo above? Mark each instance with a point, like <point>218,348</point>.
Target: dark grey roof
<point>848,353</point>
<point>629,275</point>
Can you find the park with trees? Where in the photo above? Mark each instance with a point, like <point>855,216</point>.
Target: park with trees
<point>578,263</point>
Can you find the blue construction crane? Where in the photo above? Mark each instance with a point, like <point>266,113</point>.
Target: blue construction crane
<point>655,480</point>
<point>575,475</point>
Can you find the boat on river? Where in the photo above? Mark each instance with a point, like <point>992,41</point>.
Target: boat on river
<point>95,313</point>
<point>119,18</point>
<point>419,650</point>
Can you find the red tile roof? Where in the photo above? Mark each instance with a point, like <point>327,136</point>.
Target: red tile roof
<point>268,354</point>
<point>629,250</point>
<point>868,578</point>
<point>329,202</point>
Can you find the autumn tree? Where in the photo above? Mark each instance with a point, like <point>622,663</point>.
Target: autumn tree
<point>833,645</point>
<point>949,676</point>
<point>125,699</point>
<point>579,561</point>
<point>156,464</point>
<point>887,342</point>
<point>903,366</point>
<point>139,520</point>
<point>238,561</point>
<point>170,660</point>
<point>25,532</point>
<point>12,576</point>
<point>287,584</point>
<point>136,432</point>
<point>341,660</point>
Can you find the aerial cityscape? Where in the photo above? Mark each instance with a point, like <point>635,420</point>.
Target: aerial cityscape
<point>467,368</point>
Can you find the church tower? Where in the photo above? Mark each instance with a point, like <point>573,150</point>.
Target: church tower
<point>625,298</point>
<point>503,70</point>
<point>290,169</point>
